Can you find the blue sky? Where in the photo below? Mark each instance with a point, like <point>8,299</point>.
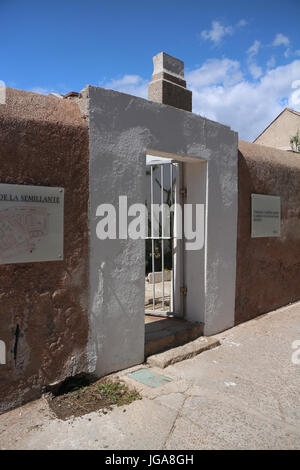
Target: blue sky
<point>241,57</point>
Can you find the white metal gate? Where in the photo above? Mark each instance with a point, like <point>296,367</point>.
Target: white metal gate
<point>162,285</point>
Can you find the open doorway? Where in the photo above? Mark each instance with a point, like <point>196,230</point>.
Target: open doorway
<point>162,247</point>
<point>165,326</point>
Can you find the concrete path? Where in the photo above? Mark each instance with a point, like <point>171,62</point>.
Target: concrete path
<point>245,394</point>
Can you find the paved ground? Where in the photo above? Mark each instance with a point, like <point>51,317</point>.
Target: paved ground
<point>245,394</point>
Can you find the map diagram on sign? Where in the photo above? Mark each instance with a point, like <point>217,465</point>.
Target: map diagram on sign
<point>21,230</point>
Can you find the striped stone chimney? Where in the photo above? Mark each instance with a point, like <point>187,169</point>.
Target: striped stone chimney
<point>168,85</point>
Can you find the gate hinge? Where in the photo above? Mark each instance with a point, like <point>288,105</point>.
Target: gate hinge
<point>183,192</point>
<point>183,290</point>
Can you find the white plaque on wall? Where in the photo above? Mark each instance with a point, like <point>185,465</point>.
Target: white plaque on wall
<point>31,223</point>
<point>265,217</point>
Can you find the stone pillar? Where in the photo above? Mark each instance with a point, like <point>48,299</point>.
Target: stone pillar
<point>168,85</point>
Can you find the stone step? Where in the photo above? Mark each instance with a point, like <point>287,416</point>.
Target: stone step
<point>191,349</point>
<point>163,334</point>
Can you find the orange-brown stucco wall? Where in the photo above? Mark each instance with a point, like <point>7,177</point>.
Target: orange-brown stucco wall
<point>268,269</point>
<point>43,306</point>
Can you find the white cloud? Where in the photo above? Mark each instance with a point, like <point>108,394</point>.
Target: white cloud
<point>41,90</point>
<point>216,71</point>
<point>241,23</point>
<point>253,50</point>
<point>131,84</point>
<point>271,62</point>
<point>254,69</point>
<point>219,31</point>
<point>281,40</point>
<point>61,90</point>
<point>248,107</point>
<point>294,99</point>
<point>289,52</point>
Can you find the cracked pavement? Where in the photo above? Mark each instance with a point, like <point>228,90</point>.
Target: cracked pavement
<point>243,394</point>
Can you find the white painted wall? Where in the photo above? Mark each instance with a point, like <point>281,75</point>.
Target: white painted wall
<point>123,129</point>
<point>194,176</point>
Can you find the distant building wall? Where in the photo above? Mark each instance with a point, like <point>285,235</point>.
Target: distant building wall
<point>268,269</point>
<point>280,131</point>
<point>43,306</point>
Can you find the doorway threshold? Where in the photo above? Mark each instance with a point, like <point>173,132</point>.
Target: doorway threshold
<point>163,333</point>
